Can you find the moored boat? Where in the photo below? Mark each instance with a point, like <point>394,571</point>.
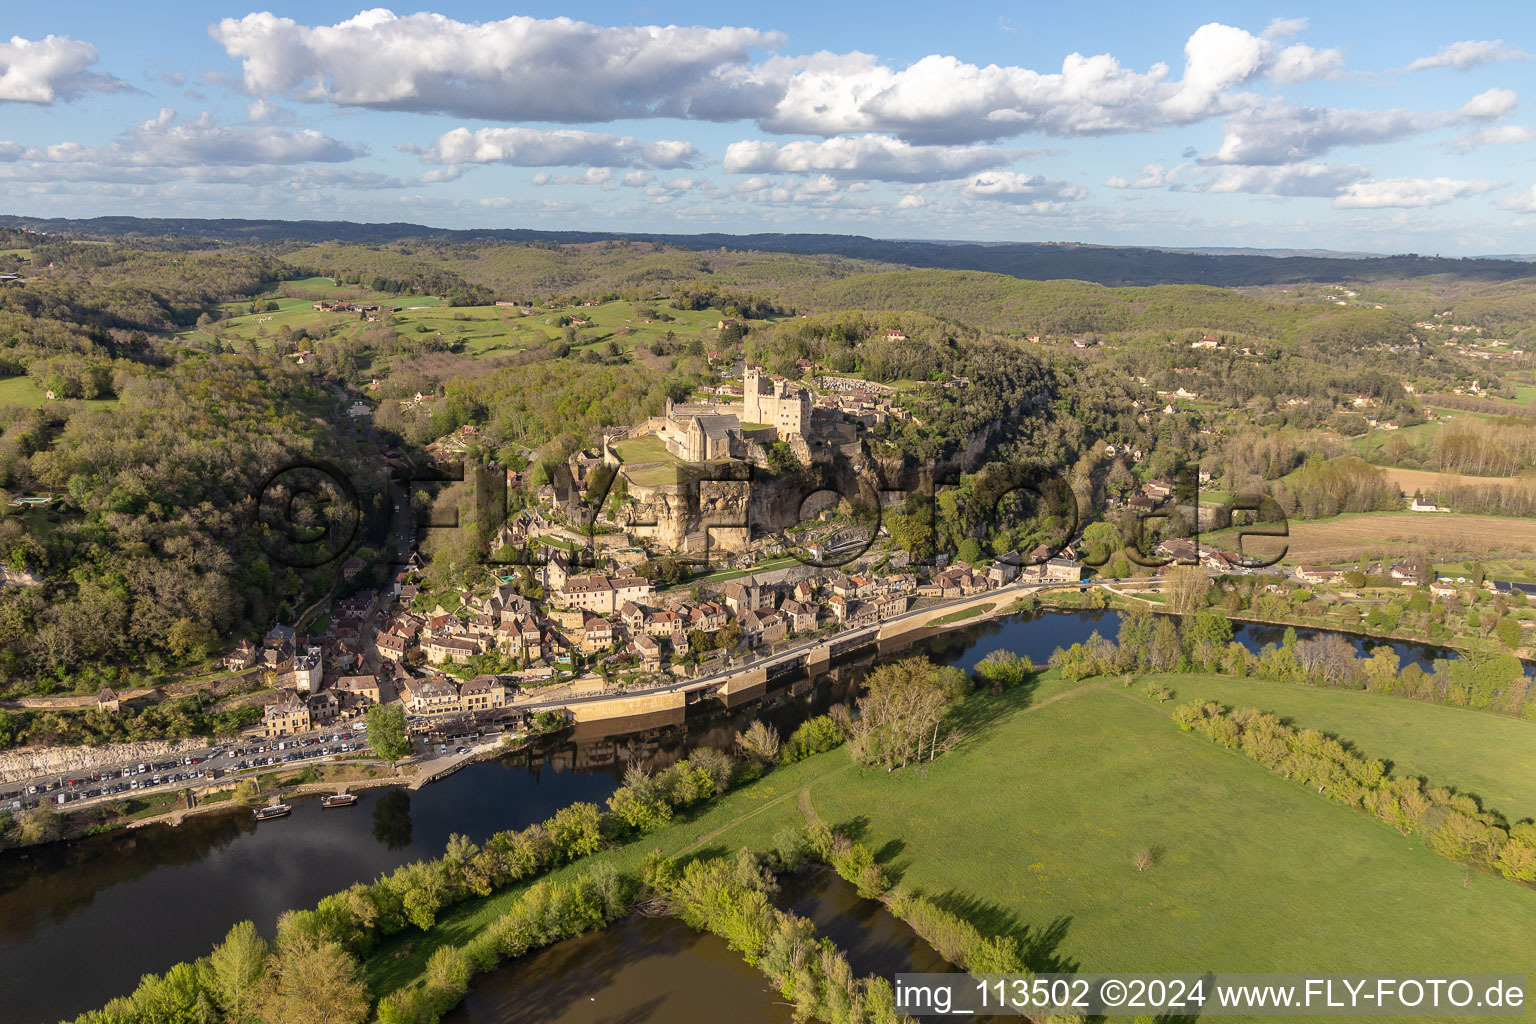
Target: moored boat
<point>338,800</point>
<point>272,811</point>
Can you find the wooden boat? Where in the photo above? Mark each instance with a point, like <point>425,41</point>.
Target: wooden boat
<point>272,811</point>
<point>338,800</point>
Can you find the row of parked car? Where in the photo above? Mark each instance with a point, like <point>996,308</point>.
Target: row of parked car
<point>163,773</point>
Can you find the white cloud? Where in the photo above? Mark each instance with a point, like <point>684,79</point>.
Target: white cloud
<point>520,68</point>
<point>54,67</point>
<point>591,176</point>
<point>1300,179</point>
<point>529,69</point>
<point>877,157</point>
<point>1286,28</point>
<point>1492,103</point>
<point>566,147</point>
<point>1494,135</point>
<point>1520,202</point>
<point>1469,53</point>
<point>1152,176</point>
<point>1028,189</point>
<point>638,179</point>
<point>167,147</point>
<point>1278,133</point>
<point>1409,193</point>
<point>168,141</point>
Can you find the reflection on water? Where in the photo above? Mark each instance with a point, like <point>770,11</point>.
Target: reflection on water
<point>641,969</point>
<point>659,970</point>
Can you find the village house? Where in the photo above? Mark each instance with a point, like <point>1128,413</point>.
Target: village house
<point>242,657</point>
<point>107,700</point>
<point>665,625</point>
<point>430,698</point>
<point>747,595</point>
<point>649,649</point>
<point>708,617</point>
<point>801,616</point>
<point>324,707</point>
<point>1318,574</point>
<point>286,717</point>
<point>482,693</point>
<point>440,649</point>
<point>863,613</point>
<point>597,633</point>
<point>762,626</point>
<point>888,605</point>
<point>391,646</point>
<point>364,689</point>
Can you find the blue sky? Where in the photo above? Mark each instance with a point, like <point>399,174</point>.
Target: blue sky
<point>1363,126</point>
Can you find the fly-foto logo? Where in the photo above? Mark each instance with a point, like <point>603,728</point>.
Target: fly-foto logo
<point>826,515</point>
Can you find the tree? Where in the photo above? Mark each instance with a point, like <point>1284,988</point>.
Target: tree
<point>386,732</point>
<point>760,741</point>
<point>236,970</point>
<point>39,825</point>
<point>901,715</point>
<point>1508,632</point>
<point>311,981</point>
<point>1004,669</point>
<point>1185,588</point>
<point>576,830</point>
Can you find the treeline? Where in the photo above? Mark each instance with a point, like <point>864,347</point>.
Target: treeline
<point>1451,824</point>
<point>1327,487</point>
<point>1485,679</point>
<point>1500,447</point>
<point>732,899</point>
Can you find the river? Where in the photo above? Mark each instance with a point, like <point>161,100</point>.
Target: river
<point>658,969</point>
<point>81,921</point>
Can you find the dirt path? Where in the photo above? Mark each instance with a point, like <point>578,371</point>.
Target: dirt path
<point>734,822</point>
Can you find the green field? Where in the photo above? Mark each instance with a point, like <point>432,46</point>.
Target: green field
<point>1036,819</point>
<point>1489,756</point>
<point>1031,825</point>
<point>24,392</point>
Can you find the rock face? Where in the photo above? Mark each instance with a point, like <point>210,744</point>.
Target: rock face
<point>30,762</point>
<point>672,514</point>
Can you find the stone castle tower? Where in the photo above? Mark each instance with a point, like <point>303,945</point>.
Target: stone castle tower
<point>769,401</point>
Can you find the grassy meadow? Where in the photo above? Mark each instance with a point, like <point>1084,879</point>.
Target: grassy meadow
<point>1490,756</point>
<point>1031,826</point>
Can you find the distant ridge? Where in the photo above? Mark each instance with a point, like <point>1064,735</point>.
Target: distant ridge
<point>1036,261</point>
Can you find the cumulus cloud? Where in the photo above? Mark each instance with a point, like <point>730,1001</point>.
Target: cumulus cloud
<point>1520,202</point>
<point>1410,193</point>
<point>528,147</point>
<point>1278,133</point>
<point>941,99</point>
<point>168,147</point>
<point>530,69</point>
<point>1495,135</point>
<point>51,68</point>
<point>1470,53</point>
<point>877,157</point>
<point>1300,179</point>
<point>520,68</point>
<point>1027,189</point>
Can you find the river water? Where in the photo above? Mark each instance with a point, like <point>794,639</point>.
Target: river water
<point>81,921</point>
<point>658,969</point>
